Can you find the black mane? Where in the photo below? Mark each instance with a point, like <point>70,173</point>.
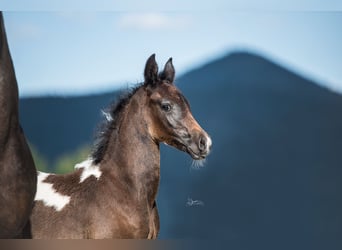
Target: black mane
<point>110,123</point>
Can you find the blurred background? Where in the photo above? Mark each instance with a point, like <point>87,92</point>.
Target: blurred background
<point>264,81</point>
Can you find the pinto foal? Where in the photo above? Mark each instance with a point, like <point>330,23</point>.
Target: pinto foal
<point>113,193</point>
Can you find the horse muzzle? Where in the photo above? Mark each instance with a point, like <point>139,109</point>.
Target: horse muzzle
<point>199,146</point>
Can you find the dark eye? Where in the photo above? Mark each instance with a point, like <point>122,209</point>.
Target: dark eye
<point>166,107</point>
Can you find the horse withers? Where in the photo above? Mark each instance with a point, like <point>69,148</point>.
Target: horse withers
<point>113,193</point>
<point>17,170</point>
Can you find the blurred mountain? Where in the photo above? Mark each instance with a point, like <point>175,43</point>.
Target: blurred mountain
<point>59,125</point>
<point>274,178</point>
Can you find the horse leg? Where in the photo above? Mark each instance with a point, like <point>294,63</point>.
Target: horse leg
<point>26,232</point>
<point>154,222</point>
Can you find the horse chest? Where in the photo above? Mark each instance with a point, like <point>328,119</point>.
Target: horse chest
<point>124,224</point>
<point>124,215</point>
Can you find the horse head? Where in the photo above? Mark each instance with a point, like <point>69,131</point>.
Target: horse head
<point>171,119</point>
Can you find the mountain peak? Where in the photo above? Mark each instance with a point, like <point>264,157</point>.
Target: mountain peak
<point>245,68</point>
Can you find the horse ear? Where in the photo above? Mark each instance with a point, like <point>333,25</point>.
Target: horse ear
<point>151,70</point>
<point>168,72</point>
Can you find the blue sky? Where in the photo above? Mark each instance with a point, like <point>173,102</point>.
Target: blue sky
<point>68,49</point>
<point>175,5</point>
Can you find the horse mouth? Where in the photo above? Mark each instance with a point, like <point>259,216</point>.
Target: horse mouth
<point>186,148</point>
<point>194,155</point>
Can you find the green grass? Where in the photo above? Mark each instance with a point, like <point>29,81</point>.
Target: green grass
<point>64,164</point>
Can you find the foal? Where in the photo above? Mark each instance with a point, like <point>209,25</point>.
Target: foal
<point>113,193</point>
<point>17,171</point>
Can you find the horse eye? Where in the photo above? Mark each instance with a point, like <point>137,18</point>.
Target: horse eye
<point>166,107</point>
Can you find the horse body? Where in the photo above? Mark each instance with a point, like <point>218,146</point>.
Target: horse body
<point>17,170</point>
<point>113,193</point>
<point>98,208</point>
<point>112,199</point>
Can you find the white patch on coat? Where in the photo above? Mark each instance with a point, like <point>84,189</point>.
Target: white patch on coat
<point>84,164</point>
<point>88,169</point>
<point>48,195</point>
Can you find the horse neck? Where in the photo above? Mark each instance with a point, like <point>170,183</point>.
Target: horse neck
<point>8,87</point>
<point>132,155</point>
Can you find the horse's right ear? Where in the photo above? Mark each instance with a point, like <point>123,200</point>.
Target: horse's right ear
<point>151,71</point>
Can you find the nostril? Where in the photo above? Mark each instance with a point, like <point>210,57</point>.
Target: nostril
<point>202,144</point>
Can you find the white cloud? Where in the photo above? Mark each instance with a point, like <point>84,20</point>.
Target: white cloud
<point>154,21</point>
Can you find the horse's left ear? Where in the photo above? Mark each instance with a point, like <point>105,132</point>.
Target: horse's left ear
<point>151,71</point>
<point>168,72</point>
